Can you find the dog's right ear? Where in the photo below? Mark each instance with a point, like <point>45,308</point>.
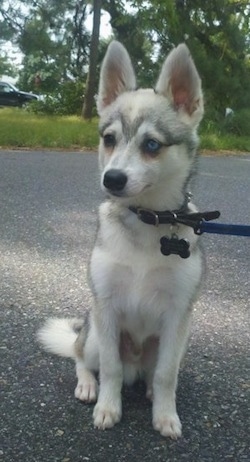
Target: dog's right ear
<point>117,75</point>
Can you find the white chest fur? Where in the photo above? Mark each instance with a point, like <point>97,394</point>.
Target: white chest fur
<point>139,283</point>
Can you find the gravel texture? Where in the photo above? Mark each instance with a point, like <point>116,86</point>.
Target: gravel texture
<point>47,229</point>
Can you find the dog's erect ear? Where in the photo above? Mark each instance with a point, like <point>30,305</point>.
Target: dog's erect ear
<point>117,75</point>
<point>179,81</point>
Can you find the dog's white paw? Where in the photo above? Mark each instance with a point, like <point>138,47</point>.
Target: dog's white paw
<point>87,390</point>
<point>168,425</point>
<point>106,416</point>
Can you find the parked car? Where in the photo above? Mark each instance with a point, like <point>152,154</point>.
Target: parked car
<point>11,96</point>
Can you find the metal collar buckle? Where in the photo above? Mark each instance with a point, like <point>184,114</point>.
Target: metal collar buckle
<point>151,213</point>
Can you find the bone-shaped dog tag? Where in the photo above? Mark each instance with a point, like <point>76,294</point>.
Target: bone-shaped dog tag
<point>174,245</point>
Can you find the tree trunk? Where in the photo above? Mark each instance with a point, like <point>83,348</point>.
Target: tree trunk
<point>91,79</point>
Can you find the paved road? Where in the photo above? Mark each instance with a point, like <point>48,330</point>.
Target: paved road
<point>47,227</point>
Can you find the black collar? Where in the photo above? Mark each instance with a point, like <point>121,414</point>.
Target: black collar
<point>156,218</point>
<point>172,217</point>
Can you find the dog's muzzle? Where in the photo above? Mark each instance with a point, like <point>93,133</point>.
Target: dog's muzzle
<point>115,180</point>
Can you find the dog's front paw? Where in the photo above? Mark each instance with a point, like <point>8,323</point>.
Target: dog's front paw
<point>86,390</point>
<point>106,416</point>
<point>168,425</point>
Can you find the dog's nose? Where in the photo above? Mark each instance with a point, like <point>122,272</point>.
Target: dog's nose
<point>115,179</point>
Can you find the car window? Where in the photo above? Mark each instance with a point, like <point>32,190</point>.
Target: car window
<point>5,88</point>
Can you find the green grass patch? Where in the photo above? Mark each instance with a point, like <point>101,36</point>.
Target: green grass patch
<point>224,142</point>
<point>22,129</point>
<point>230,133</point>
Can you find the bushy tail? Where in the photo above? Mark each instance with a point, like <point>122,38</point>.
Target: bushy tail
<point>58,336</point>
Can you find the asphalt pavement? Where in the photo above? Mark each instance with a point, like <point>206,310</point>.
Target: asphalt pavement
<point>48,203</point>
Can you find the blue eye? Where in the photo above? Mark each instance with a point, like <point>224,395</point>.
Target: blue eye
<point>151,146</point>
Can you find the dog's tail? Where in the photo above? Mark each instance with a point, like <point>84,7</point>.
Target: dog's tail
<point>59,335</point>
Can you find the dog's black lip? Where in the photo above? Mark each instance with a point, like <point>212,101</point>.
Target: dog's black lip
<point>122,193</point>
<point>116,193</point>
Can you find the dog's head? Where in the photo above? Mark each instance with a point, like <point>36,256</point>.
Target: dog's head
<point>148,137</point>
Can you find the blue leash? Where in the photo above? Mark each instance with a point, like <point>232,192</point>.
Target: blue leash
<point>220,228</point>
<point>200,222</point>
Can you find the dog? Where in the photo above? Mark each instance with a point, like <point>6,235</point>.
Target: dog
<point>139,325</point>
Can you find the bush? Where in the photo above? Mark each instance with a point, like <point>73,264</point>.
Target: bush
<point>237,123</point>
<point>71,97</point>
<point>48,104</point>
<point>67,100</point>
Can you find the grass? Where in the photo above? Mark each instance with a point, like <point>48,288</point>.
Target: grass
<point>224,142</point>
<point>21,129</point>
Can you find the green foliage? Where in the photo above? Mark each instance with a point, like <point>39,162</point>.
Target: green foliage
<point>127,29</point>
<point>217,34</point>
<point>238,123</point>
<point>53,38</point>
<point>71,97</point>
<point>35,37</point>
<point>47,70</point>
<point>226,133</point>
<point>66,100</point>
<point>6,67</point>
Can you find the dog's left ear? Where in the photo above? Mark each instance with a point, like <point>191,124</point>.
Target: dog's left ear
<point>179,81</point>
<point>117,75</point>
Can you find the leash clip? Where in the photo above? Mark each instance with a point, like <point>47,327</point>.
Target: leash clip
<point>198,228</point>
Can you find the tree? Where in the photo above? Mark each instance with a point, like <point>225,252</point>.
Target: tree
<point>128,29</point>
<point>217,34</point>
<point>52,37</point>
<point>6,33</point>
<point>6,67</point>
<point>93,58</point>
<point>54,41</point>
<point>125,27</point>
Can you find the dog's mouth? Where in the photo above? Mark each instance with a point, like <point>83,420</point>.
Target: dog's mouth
<point>125,193</point>
<point>116,193</point>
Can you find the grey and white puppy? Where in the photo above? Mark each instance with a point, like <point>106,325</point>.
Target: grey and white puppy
<point>140,323</point>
